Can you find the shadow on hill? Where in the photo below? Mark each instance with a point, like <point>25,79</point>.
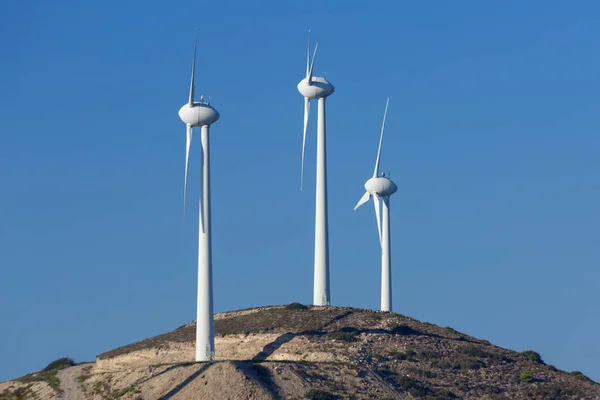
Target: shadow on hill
<point>347,332</point>
<point>183,384</point>
<point>275,345</point>
<point>172,367</point>
<point>261,375</point>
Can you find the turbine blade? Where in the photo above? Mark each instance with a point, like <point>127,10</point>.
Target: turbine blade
<point>188,143</point>
<point>376,204</point>
<point>362,200</point>
<point>376,172</point>
<point>308,55</point>
<point>312,64</point>
<point>191,99</point>
<point>306,113</point>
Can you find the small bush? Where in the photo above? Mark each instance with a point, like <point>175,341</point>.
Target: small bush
<point>457,364</point>
<point>82,378</point>
<point>580,375</point>
<point>468,364</point>
<point>344,336</point>
<point>59,364</point>
<point>316,394</point>
<point>296,306</point>
<point>446,394</point>
<point>424,373</point>
<point>526,376</point>
<point>404,330</point>
<point>409,355</point>
<point>473,351</point>
<point>428,355</point>
<point>533,356</point>
<point>413,387</point>
<point>553,392</point>
<point>347,334</point>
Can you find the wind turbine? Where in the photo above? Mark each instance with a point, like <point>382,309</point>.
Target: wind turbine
<point>376,187</point>
<point>317,88</point>
<point>201,114</point>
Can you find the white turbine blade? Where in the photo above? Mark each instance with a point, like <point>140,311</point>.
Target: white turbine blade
<point>362,200</point>
<point>376,204</point>
<point>306,113</point>
<point>308,55</point>
<point>188,143</point>
<point>376,172</point>
<point>312,64</point>
<point>191,98</point>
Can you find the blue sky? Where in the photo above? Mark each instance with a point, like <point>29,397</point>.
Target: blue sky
<point>492,138</point>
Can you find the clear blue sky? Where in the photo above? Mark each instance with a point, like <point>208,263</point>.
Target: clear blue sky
<point>492,137</point>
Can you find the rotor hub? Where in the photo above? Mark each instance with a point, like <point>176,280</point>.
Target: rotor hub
<point>319,88</point>
<point>381,185</point>
<point>198,114</point>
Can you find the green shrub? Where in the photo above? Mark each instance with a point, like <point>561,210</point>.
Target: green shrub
<point>404,330</point>
<point>48,374</point>
<point>424,373</point>
<point>478,352</point>
<point>344,336</point>
<point>296,306</point>
<point>45,376</point>
<point>526,376</point>
<point>474,351</point>
<point>580,375</point>
<point>59,364</point>
<point>82,378</point>
<point>533,356</point>
<point>409,355</point>
<point>316,394</point>
<point>413,387</point>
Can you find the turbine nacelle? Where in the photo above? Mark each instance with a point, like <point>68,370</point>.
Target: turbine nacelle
<point>317,89</point>
<point>381,185</point>
<point>198,114</point>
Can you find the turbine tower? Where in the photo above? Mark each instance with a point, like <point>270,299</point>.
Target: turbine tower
<point>201,114</point>
<point>376,187</point>
<point>317,88</point>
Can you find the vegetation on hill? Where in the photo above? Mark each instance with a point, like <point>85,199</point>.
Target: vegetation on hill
<point>420,359</point>
<point>330,353</point>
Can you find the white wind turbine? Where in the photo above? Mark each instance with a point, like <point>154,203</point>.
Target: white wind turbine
<point>317,88</point>
<point>376,187</point>
<point>202,115</point>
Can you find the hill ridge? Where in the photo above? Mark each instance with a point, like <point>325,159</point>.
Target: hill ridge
<point>296,351</point>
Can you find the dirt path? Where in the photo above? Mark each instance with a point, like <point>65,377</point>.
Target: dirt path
<point>68,382</point>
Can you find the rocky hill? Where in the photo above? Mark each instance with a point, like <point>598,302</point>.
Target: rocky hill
<point>299,352</point>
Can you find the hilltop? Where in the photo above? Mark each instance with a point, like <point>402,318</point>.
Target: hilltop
<point>299,352</point>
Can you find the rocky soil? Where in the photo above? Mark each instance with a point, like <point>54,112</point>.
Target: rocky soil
<point>297,352</point>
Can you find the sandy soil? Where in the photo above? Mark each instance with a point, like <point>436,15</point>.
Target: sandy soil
<point>69,384</point>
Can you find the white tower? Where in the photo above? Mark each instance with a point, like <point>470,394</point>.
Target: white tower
<point>316,88</point>
<point>202,115</point>
<point>380,186</point>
